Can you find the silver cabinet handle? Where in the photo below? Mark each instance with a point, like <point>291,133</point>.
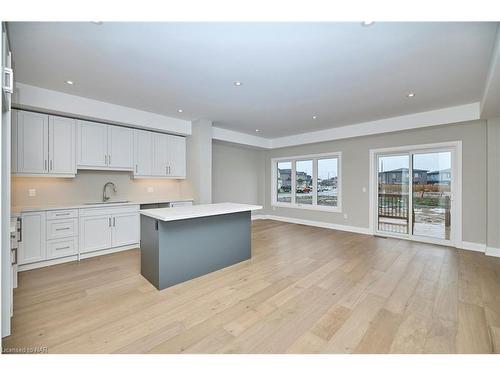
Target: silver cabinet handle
<point>51,165</point>
<point>109,159</point>
<point>65,228</point>
<point>14,262</point>
<point>114,222</point>
<point>45,165</point>
<point>63,214</point>
<point>136,168</point>
<point>62,248</point>
<point>105,159</point>
<point>20,229</point>
<point>109,219</point>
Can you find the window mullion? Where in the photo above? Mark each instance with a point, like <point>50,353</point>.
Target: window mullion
<point>315,182</point>
<point>294,181</point>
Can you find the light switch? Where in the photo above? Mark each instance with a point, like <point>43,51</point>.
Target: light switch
<point>364,189</point>
<point>345,216</point>
<point>31,192</point>
<point>150,189</point>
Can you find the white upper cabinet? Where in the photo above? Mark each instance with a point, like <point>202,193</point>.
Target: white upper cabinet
<point>101,146</point>
<point>92,145</point>
<point>176,161</point>
<point>30,142</point>
<point>143,152</point>
<point>62,145</point>
<point>160,155</point>
<point>120,147</point>
<point>43,144</point>
<point>46,145</point>
<point>168,158</point>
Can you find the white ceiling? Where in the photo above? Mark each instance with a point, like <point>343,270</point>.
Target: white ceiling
<point>342,72</point>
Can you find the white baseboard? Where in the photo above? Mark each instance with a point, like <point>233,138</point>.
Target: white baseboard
<point>492,252</point>
<point>72,258</point>
<point>321,224</point>
<point>473,246</point>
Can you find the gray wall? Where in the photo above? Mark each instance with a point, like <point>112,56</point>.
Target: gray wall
<point>355,174</point>
<point>237,174</point>
<point>493,183</point>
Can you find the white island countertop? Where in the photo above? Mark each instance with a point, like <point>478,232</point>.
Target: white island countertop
<point>200,210</point>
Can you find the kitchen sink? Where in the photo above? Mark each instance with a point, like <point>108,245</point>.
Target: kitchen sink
<point>108,202</point>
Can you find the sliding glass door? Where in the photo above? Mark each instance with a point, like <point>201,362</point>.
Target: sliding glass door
<point>415,194</point>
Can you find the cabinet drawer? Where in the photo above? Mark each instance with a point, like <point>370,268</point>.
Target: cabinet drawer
<point>62,247</point>
<point>62,214</point>
<point>62,228</point>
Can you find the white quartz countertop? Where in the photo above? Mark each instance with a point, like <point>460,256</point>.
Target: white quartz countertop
<point>18,210</point>
<point>200,210</point>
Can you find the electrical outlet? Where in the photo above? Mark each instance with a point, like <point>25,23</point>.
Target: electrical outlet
<point>150,189</point>
<point>31,192</point>
<point>364,189</point>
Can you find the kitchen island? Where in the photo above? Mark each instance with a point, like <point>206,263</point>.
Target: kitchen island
<point>181,243</point>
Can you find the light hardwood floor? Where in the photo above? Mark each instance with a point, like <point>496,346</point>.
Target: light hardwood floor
<point>305,290</point>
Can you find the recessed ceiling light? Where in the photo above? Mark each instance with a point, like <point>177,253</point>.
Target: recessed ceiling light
<point>180,110</point>
<point>70,82</point>
<point>410,95</point>
<point>367,23</point>
<point>314,117</point>
<point>237,83</point>
<point>257,130</point>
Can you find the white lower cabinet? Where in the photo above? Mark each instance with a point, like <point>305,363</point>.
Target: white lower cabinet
<point>62,247</point>
<point>66,233</point>
<point>32,242</point>
<point>125,229</point>
<point>103,228</point>
<point>95,233</point>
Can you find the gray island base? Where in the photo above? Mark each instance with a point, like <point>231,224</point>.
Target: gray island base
<point>177,250</point>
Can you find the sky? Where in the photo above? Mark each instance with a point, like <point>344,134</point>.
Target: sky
<point>430,161</point>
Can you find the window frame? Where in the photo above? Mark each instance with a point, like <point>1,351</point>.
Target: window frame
<point>293,160</point>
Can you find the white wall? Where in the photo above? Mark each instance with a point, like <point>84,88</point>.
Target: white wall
<point>55,102</point>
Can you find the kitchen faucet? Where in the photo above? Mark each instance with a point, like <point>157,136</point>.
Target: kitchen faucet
<point>105,198</point>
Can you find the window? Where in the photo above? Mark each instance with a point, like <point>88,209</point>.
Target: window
<point>284,183</point>
<point>304,182</point>
<point>327,182</point>
<point>310,182</point>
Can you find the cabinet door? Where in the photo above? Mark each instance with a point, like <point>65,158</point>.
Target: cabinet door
<point>143,152</point>
<point>62,144</point>
<point>92,144</point>
<point>30,140</point>
<point>176,162</point>
<point>160,154</point>
<point>32,247</point>
<point>125,229</point>
<point>95,233</point>
<point>120,147</point>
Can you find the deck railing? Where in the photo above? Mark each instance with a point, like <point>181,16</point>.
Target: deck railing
<point>393,206</point>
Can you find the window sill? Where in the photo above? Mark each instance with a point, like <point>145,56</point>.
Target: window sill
<point>337,209</point>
